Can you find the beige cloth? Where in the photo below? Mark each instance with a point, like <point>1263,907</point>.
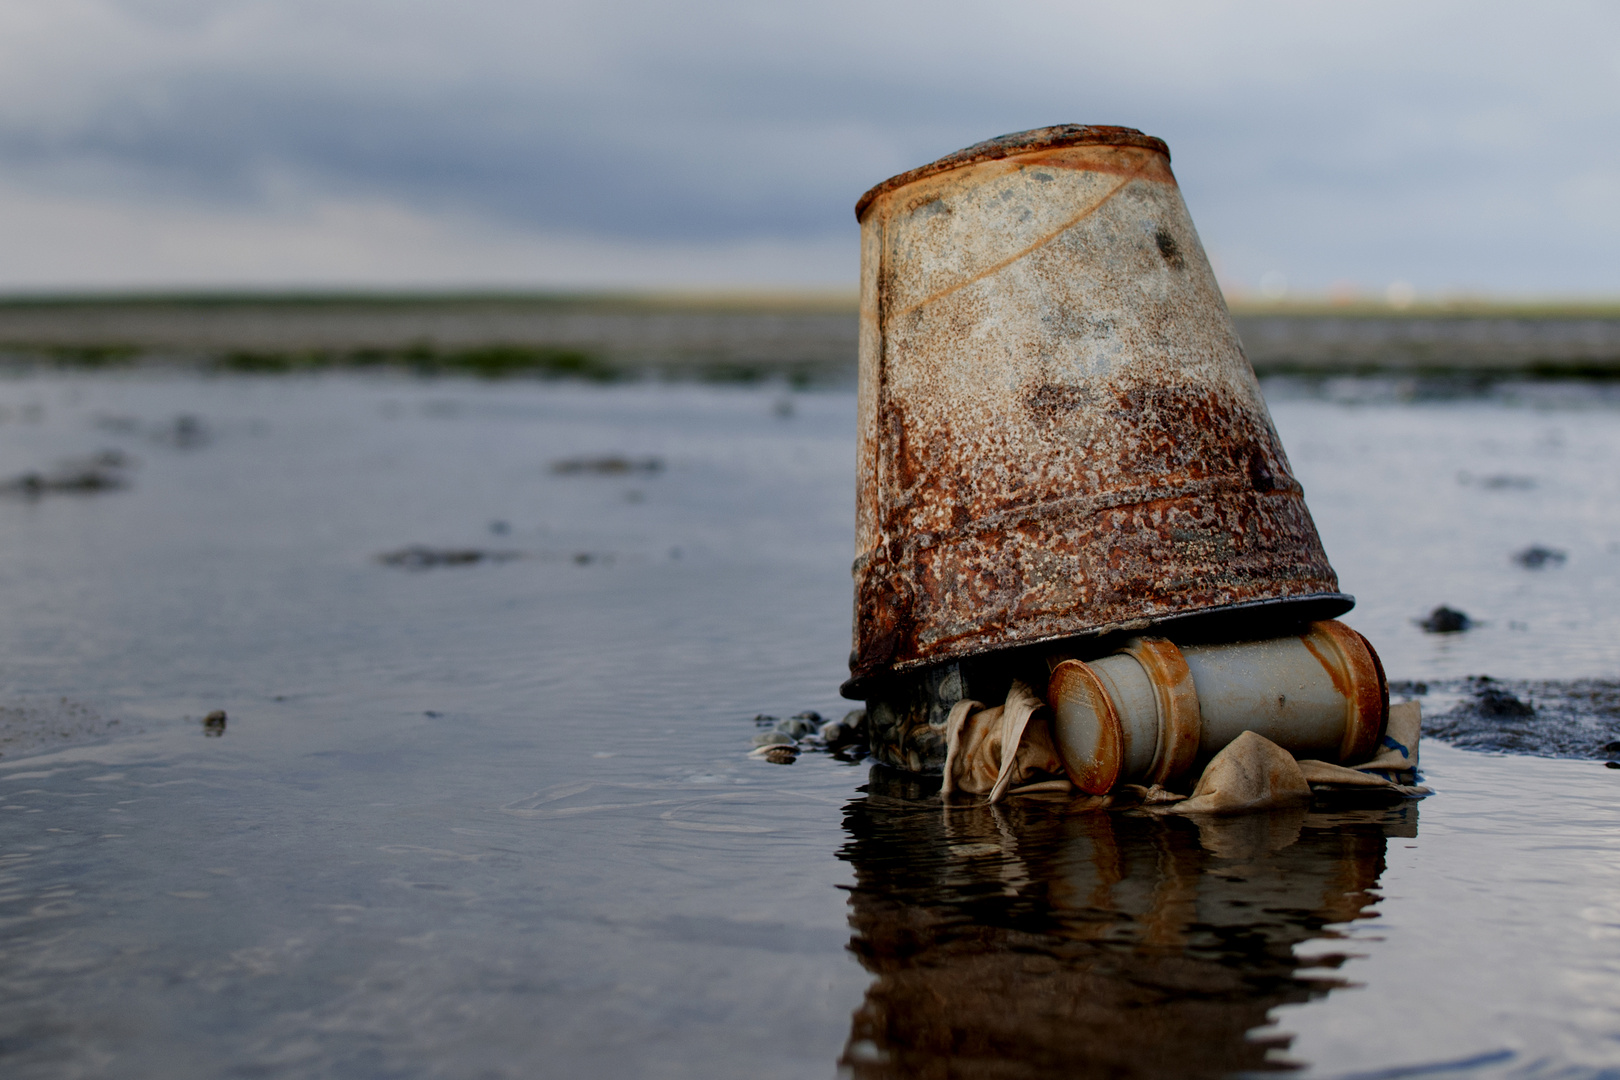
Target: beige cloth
<point>1009,750</point>
<point>1250,773</point>
<point>1004,750</point>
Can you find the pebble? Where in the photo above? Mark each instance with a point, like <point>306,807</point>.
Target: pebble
<point>777,755</point>
<point>797,727</point>
<point>214,723</point>
<point>1444,620</point>
<point>773,738</point>
<point>1536,557</point>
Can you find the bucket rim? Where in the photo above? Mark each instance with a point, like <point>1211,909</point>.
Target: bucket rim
<point>1238,620</point>
<point>1018,142</point>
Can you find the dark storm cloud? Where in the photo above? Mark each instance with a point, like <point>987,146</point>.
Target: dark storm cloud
<point>1437,141</point>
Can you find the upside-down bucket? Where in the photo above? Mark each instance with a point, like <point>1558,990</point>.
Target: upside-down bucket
<point>1059,435</point>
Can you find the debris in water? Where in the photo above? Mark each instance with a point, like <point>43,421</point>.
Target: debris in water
<point>1535,557</point>
<point>613,465</point>
<point>214,724</point>
<point>1445,620</point>
<point>422,557</point>
<point>100,472</point>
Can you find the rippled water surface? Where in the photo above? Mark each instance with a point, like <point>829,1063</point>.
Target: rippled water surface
<point>495,818</point>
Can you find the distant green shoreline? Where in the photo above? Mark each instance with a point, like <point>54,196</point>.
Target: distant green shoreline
<point>802,337</point>
<point>825,300</point>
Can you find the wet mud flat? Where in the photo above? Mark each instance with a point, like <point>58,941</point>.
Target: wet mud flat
<point>497,816</point>
<point>811,339</point>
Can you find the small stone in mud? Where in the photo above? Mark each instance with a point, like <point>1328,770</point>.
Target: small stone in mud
<point>797,727</point>
<point>773,738</point>
<point>612,465</point>
<point>1535,557</point>
<point>214,723</point>
<point>1611,764</point>
<point>1444,620</point>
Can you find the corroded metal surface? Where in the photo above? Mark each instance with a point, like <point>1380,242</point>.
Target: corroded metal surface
<point>1318,694</point>
<point>1059,433</point>
<point>1180,725</point>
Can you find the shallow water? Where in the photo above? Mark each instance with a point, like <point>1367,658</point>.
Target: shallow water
<point>496,819</point>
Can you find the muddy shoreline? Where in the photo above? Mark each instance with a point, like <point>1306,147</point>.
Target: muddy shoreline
<point>802,339</point>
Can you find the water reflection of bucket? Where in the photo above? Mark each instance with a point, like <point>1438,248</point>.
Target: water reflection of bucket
<point>1018,941</point>
<point>1059,434</point>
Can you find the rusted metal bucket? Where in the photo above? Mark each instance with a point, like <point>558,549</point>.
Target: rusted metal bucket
<point>1060,436</point>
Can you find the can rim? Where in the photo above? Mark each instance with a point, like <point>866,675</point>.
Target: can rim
<point>1019,142</point>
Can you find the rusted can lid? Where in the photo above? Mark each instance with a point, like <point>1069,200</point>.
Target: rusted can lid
<point>1019,142</point>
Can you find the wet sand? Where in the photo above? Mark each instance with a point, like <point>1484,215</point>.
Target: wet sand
<point>496,816</point>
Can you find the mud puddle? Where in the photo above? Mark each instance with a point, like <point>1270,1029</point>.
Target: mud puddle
<point>499,819</point>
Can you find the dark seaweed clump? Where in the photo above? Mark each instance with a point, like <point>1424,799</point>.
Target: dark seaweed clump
<point>483,361</point>
<point>1579,718</point>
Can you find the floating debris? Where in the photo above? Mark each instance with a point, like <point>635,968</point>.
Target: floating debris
<point>1535,557</point>
<point>612,465</point>
<point>214,724</point>
<point>1445,620</point>
<point>422,557</point>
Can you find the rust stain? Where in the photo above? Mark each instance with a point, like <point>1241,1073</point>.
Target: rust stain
<point>1330,664</point>
<point>1022,142</point>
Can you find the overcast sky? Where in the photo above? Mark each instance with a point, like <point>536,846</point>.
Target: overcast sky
<point>217,143</point>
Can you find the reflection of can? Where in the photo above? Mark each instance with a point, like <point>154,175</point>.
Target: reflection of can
<point>1059,433</point>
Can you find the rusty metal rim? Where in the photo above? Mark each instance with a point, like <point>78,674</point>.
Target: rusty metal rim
<point>1181,725</point>
<point>1366,696</point>
<point>1019,142</point>
<point>1315,606</point>
<point>1100,772</point>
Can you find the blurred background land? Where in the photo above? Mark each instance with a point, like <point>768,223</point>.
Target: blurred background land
<point>804,337</point>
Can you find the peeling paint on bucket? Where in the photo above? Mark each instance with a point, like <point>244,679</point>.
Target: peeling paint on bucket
<point>1059,434</point>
